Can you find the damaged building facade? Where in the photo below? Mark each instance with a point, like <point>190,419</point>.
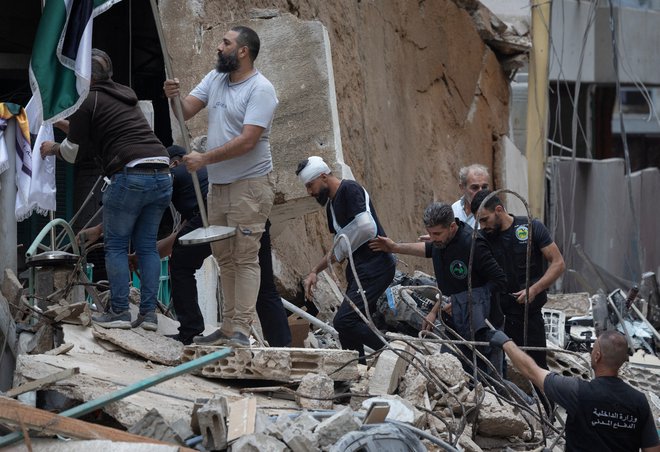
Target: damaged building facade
<point>398,95</point>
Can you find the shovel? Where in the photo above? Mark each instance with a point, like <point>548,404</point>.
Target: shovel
<point>207,233</point>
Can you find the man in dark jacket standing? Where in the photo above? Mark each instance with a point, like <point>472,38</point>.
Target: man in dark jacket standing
<point>110,125</point>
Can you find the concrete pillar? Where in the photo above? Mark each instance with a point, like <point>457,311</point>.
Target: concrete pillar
<point>8,252</point>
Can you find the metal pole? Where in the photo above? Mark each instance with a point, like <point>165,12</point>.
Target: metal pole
<point>313,320</point>
<point>8,225</point>
<point>141,385</point>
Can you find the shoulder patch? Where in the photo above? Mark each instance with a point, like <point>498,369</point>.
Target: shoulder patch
<point>522,232</point>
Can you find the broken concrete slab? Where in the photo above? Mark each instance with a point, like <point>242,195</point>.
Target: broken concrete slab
<point>499,419</point>
<point>258,442</point>
<point>146,344</point>
<point>84,341</point>
<point>152,425</point>
<point>102,374</point>
<point>11,287</point>
<point>74,313</point>
<point>331,429</point>
<point>64,348</point>
<point>390,368</point>
<point>281,364</point>
<point>327,297</point>
<point>316,391</point>
<point>58,445</point>
<point>447,367</point>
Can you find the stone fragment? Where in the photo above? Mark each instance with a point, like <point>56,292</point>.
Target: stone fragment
<point>499,419</point>
<point>331,429</point>
<point>447,367</point>
<point>258,442</point>
<point>182,429</point>
<point>152,425</point>
<point>315,392</point>
<point>400,410</point>
<point>11,287</point>
<point>147,344</point>
<point>64,348</point>
<point>413,386</point>
<point>194,420</point>
<point>390,368</point>
<point>212,418</point>
<point>300,437</point>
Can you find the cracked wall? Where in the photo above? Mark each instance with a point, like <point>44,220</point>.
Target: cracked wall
<point>418,96</point>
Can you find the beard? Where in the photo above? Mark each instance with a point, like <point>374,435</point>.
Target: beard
<point>227,63</point>
<point>439,245</point>
<point>323,196</point>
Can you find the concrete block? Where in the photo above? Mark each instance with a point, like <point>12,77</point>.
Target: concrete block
<point>301,440</point>
<point>447,367</point>
<point>305,421</point>
<point>182,429</point>
<point>315,392</point>
<point>413,386</point>
<point>242,417</point>
<point>281,364</point>
<point>258,442</point>
<point>331,429</point>
<point>11,287</point>
<point>390,368</point>
<point>212,418</point>
<point>499,419</point>
<point>400,410</point>
<point>152,425</point>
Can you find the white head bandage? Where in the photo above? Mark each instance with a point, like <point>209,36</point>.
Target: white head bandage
<point>315,167</point>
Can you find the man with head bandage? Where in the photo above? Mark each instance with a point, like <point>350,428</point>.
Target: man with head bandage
<point>353,220</point>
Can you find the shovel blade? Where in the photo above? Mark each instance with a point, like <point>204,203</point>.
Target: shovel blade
<point>207,235</point>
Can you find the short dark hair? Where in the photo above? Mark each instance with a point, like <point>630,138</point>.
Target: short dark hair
<point>249,38</point>
<point>490,204</point>
<point>613,349</point>
<point>301,166</point>
<point>438,213</point>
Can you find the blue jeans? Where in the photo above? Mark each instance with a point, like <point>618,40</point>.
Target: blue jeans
<point>133,205</point>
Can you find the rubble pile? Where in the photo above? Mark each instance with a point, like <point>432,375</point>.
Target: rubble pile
<point>413,393</point>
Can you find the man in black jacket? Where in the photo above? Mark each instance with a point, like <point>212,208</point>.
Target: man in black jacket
<point>110,125</point>
<point>449,248</point>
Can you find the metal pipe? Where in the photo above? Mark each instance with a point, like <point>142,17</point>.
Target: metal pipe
<point>313,320</point>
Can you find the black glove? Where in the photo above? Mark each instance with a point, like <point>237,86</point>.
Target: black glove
<point>498,339</point>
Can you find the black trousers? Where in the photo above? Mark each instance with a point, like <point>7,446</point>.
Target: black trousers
<point>354,334</point>
<point>185,261</point>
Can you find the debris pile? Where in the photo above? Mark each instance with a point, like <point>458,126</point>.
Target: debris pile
<point>419,391</point>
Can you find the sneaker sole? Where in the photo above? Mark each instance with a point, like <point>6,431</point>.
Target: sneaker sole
<point>120,324</point>
<point>221,341</point>
<point>237,344</point>
<point>149,326</point>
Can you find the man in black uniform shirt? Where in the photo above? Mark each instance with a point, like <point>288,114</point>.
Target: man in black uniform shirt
<point>449,248</point>
<point>604,414</point>
<point>351,213</point>
<point>508,236</point>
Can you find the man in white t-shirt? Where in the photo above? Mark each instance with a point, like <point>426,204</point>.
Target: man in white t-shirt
<point>241,103</point>
<point>471,179</point>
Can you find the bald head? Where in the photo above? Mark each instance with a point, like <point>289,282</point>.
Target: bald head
<point>613,349</point>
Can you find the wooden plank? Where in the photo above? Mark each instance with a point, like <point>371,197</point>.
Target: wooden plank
<point>41,382</point>
<point>242,417</point>
<point>16,413</point>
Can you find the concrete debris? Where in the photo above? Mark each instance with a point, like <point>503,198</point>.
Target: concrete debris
<point>571,304</point>
<point>258,442</point>
<point>316,391</point>
<point>242,418</point>
<point>447,367</point>
<point>498,418</point>
<point>400,410</point>
<point>64,348</point>
<point>390,368</point>
<point>11,287</point>
<point>212,418</point>
<point>331,429</point>
<point>147,344</point>
<point>280,364</point>
<point>74,313</point>
<point>153,425</point>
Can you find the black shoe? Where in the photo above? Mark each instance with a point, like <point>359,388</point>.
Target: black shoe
<point>185,340</point>
<point>215,338</point>
<point>239,340</point>
<point>113,319</point>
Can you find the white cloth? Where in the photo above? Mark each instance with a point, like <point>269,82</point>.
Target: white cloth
<point>459,212</point>
<point>232,106</point>
<point>314,168</point>
<point>36,193</point>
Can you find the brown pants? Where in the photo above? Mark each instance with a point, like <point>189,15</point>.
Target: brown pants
<point>244,204</point>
